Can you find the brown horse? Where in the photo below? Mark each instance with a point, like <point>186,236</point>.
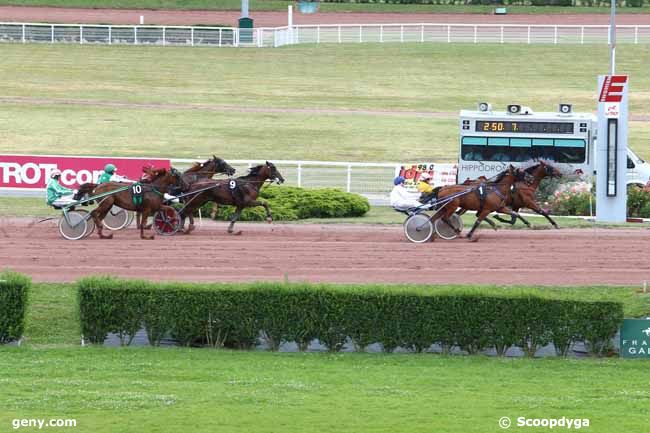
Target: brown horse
<point>484,198</point>
<point>522,195</point>
<point>203,171</point>
<point>198,171</point>
<point>152,198</point>
<point>240,192</point>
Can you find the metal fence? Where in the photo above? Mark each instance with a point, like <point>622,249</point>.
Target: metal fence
<point>317,34</point>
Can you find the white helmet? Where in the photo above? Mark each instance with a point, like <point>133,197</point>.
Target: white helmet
<point>55,172</point>
<point>425,175</point>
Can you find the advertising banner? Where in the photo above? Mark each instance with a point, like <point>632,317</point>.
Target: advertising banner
<point>442,174</point>
<point>31,172</point>
<point>635,338</point>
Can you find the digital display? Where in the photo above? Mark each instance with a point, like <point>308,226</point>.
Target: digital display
<point>524,127</point>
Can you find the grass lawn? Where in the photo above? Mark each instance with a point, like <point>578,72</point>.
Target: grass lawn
<point>179,104</point>
<point>281,5</point>
<point>204,390</point>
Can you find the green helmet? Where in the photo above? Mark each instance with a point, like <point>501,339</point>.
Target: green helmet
<point>110,168</point>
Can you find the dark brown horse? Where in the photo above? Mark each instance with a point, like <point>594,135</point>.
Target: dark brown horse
<point>484,198</point>
<point>522,195</point>
<point>240,192</point>
<point>152,198</point>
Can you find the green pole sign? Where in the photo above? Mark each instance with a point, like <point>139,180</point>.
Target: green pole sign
<point>635,338</point>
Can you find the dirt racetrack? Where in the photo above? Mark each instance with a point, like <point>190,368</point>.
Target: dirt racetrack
<point>333,253</point>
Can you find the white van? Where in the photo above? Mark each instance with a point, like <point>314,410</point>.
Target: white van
<point>638,170</point>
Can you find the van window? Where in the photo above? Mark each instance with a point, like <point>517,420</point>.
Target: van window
<point>630,163</point>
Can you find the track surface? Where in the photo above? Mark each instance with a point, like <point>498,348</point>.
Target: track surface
<point>274,19</point>
<point>333,253</point>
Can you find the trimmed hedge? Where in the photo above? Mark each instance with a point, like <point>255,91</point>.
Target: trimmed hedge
<point>14,289</point>
<point>235,315</point>
<point>292,203</point>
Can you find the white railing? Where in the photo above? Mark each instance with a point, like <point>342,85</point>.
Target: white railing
<point>469,33</point>
<point>316,34</point>
<point>373,180</point>
<point>363,178</point>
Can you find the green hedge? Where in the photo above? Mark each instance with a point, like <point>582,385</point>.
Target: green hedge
<point>292,203</point>
<point>14,289</point>
<point>235,315</point>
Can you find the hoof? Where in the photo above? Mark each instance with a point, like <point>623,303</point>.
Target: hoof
<point>148,238</point>
<point>557,227</point>
<point>237,233</point>
<point>473,239</point>
<point>101,236</point>
<point>269,220</point>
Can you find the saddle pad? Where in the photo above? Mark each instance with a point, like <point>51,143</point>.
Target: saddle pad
<point>137,193</point>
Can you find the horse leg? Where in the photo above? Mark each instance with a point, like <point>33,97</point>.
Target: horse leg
<point>98,215</point>
<point>492,223</point>
<point>233,219</point>
<point>535,208</point>
<point>514,215</point>
<point>479,219</point>
<point>511,221</point>
<point>145,215</point>
<point>215,209</point>
<point>269,217</point>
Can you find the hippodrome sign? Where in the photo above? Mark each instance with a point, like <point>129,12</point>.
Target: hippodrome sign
<point>28,172</point>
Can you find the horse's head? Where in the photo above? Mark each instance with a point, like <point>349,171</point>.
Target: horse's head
<point>221,166</point>
<point>273,173</point>
<point>549,170</point>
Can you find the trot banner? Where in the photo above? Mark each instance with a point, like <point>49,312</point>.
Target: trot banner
<point>33,171</point>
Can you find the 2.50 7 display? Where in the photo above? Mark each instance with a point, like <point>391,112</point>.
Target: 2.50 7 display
<point>525,127</point>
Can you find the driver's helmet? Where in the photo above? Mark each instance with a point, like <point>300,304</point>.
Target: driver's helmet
<point>399,180</point>
<point>424,176</point>
<point>55,172</point>
<point>110,168</point>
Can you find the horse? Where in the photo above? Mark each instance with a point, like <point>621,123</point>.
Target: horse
<point>198,171</point>
<point>484,198</point>
<point>152,198</point>
<point>523,192</point>
<point>207,169</point>
<point>240,192</point>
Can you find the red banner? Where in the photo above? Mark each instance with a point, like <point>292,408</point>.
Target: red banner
<point>33,172</point>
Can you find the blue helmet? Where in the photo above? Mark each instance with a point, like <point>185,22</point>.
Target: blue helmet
<point>399,180</point>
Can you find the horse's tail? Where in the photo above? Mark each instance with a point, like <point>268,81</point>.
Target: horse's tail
<point>86,188</point>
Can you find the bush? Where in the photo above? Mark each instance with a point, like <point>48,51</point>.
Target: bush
<point>293,203</point>
<point>638,202</point>
<point>235,315</point>
<point>14,289</point>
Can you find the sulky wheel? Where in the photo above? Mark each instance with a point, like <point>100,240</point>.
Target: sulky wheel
<point>73,226</point>
<point>449,231</point>
<point>116,218</point>
<point>91,222</point>
<point>166,221</point>
<point>418,228</point>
